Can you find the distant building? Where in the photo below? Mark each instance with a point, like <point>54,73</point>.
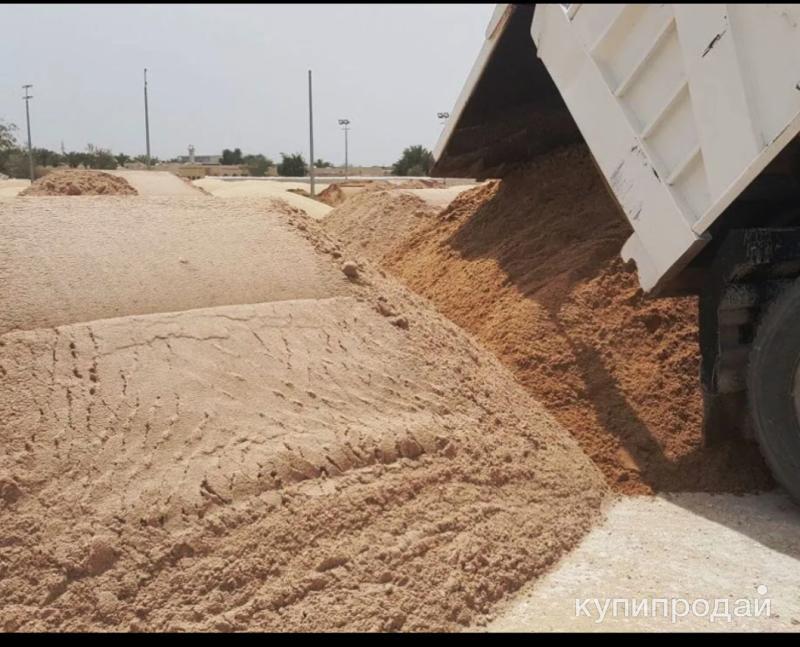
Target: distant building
<point>205,160</point>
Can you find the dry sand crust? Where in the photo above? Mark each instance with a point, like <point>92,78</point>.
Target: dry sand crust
<point>65,261</point>
<point>266,189</point>
<point>79,182</point>
<point>353,462</point>
<point>531,266</point>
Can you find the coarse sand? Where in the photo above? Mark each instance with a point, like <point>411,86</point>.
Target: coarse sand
<point>372,222</point>
<point>530,266</point>
<point>79,182</point>
<point>332,195</point>
<point>344,462</point>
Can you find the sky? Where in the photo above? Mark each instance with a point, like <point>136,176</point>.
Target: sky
<point>228,76</point>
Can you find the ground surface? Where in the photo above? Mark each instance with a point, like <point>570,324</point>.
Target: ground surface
<point>313,452</point>
<point>336,456</point>
<point>10,188</point>
<point>686,546</point>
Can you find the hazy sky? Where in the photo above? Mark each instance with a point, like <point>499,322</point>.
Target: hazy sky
<point>226,76</point>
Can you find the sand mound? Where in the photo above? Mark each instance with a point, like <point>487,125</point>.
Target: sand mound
<point>305,464</point>
<point>373,222</point>
<point>332,195</point>
<point>531,266</point>
<point>79,182</point>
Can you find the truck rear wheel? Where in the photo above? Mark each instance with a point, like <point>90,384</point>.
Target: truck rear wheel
<point>773,385</point>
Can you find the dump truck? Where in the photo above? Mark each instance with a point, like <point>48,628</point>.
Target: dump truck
<point>692,115</point>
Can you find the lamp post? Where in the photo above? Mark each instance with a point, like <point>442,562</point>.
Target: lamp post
<point>345,124</point>
<point>27,98</point>
<point>146,119</point>
<point>310,139</point>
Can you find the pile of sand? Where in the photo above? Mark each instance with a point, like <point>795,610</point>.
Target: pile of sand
<point>530,265</point>
<point>332,195</point>
<point>352,462</point>
<point>386,185</point>
<point>373,222</point>
<point>79,182</point>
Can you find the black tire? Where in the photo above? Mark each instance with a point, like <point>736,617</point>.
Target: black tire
<point>774,360</point>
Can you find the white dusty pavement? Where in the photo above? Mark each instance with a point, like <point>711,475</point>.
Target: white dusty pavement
<point>682,546</point>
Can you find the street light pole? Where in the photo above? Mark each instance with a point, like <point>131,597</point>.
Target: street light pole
<point>310,138</point>
<point>146,119</point>
<point>345,124</point>
<point>27,98</point>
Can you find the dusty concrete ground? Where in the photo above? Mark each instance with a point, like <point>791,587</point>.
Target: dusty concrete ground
<point>686,546</point>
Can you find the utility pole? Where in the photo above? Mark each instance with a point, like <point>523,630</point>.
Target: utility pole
<point>27,98</point>
<point>345,124</point>
<point>146,119</point>
<point>310,137</point>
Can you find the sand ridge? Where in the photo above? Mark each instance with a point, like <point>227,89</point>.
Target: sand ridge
<point>79,182</point>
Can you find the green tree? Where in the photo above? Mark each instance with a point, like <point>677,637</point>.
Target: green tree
<point>142,159</point>
<point>45,157</point>
<point>17,165</point>
<point>102,159</point>
<point>8,145</point>
<point>122,159</point>
<point>75,158</point>
<point>231,157</point>
<point>292,165</point>
<point>257,165</point>
<point>320,163</point>
<point>416,160</point>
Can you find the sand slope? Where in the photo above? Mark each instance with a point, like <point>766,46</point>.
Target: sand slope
<point>65,261</point>
<point>531,267</point>
<point>372,222</point>
<point>154,183</point>
<point>267,189</point>
<point>311,463</point>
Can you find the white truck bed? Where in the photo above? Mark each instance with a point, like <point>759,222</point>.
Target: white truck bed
<point>682,107</point>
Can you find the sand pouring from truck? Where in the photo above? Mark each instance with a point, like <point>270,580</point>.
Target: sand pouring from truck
<point>692,115</point>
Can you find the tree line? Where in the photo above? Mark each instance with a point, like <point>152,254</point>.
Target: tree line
<point>414,161</point>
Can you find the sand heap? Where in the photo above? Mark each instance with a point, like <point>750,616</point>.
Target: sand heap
<point>530,265</point>
<point>351,462</point>
<point>385,185</point>
<point>372,222</point>
<point>332,195</point>
<point>79,182</point>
